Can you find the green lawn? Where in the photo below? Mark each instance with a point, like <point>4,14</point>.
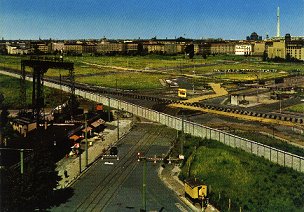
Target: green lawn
<point>252,183</point>
<point>170,63</point>
<point>134,81</point>
<point>10,89</point>
<point>297,108</point>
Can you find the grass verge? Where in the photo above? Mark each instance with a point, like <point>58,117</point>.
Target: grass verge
<point>250,182</point>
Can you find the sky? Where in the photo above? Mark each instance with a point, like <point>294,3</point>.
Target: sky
<point>133,19</point>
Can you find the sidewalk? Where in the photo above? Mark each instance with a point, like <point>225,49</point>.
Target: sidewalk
<point>169,175</point>
<point>71,164</point>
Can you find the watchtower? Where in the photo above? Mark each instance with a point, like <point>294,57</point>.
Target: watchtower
<point>39,66</point>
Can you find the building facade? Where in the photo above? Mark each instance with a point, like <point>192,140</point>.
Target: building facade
<point>258,48</point>
<point>243,49</point>
<point>222,48</point>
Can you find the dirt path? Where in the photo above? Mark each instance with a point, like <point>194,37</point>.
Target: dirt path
<point>217,88</point>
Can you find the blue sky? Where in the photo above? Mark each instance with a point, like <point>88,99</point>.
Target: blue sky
<point>76,19</point>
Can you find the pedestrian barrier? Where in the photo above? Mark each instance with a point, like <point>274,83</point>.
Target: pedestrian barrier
<point>275,155</point>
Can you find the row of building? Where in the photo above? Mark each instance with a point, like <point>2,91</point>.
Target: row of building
<point>282,47</point>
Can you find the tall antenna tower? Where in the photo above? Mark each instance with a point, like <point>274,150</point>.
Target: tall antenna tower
<point>278,22</point>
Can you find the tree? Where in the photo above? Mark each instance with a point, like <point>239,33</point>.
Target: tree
<point>6,130</point>
<point>288,57</point>
<point>190,50</point>
<point>204,55</point>
<point>1,99</point>
<point>265,56</point>
<point>35,188</point>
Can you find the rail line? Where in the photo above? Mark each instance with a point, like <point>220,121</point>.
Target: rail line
<point>108,187</point>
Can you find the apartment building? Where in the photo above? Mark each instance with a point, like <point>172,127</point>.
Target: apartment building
<point>223,48</point>
<point>74,47</point>
<point>295,49</point>
<point>258,48</point>
<point>110,47</point>
<point>56,46</point>
<point>243,49</point>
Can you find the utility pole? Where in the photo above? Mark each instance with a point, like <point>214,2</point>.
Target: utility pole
<point>109,115</point>
<point>21,161</point>
<point>21,157</point>
<point>118,114</point>
<point>182,137</point>
<point>79,163</point>
<point>144,186</point>
<point>86,138</point>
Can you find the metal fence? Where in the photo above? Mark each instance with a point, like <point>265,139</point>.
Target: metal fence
<point>275,155</point>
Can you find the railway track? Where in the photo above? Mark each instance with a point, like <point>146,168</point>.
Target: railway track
<point>285,119</point>
<point>109,185</point>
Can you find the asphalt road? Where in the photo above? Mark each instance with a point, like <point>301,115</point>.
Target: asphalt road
<point>116,185</point>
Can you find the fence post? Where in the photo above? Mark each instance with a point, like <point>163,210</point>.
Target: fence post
<point>291,161</point>
<point>278,158</point>
<point>109,115</point>
<point>193,129</point>
<point>219,136</point>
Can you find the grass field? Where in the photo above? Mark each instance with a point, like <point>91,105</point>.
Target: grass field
<point>269,141</point>
<point>131,81</point>
<point>10,89</point>
<point>297,108</point>
<point>250,76</point>
<point>250,182</point>
<point>172,65</point>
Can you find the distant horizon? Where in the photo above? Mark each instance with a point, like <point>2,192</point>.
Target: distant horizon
<point>114,19</point>
<point>157,38</point>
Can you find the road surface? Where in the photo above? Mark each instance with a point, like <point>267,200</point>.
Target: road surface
<point>116,185</point>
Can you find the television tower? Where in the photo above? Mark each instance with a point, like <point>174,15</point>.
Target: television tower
<point>278,22</point>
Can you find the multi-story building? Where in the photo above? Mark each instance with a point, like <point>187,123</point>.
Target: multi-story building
<point>39,47</point>
<point>258,48</point>
<point>110,47</point>
<point>74,47</point>
<point>287,48</point>
<point>16,50</point>
<point>277,49</point>
<point>243,49</point>
<point>154,47</point>
<point>56,46</point>
<point>131,47</point>
<point>223,48</point>
<point>205,48</point>
<point>89,47</point>
<point>295,49</point>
